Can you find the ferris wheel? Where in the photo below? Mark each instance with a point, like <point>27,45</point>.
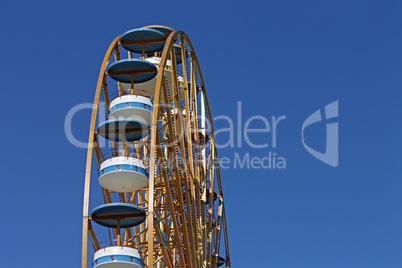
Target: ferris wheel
<point>156,169</point>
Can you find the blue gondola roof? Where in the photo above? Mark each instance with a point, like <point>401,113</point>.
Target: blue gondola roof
<point>108,215</point>
<point>125,70</point>
<point>150,39</point>
<point>128,129</point>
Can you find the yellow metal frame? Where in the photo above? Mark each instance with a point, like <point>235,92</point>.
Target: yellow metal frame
<point>182,228</point>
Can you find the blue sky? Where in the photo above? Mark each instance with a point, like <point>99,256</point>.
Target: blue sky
<point>277,58</point>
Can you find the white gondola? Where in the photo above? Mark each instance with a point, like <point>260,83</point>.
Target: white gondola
<point>123,174</point>
<point>117,257</point>
<point>132,106</point>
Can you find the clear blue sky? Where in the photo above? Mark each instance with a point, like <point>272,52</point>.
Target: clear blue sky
<point>277,58</point>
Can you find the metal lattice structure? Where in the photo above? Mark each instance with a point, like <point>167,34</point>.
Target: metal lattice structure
<point>184,223</point>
